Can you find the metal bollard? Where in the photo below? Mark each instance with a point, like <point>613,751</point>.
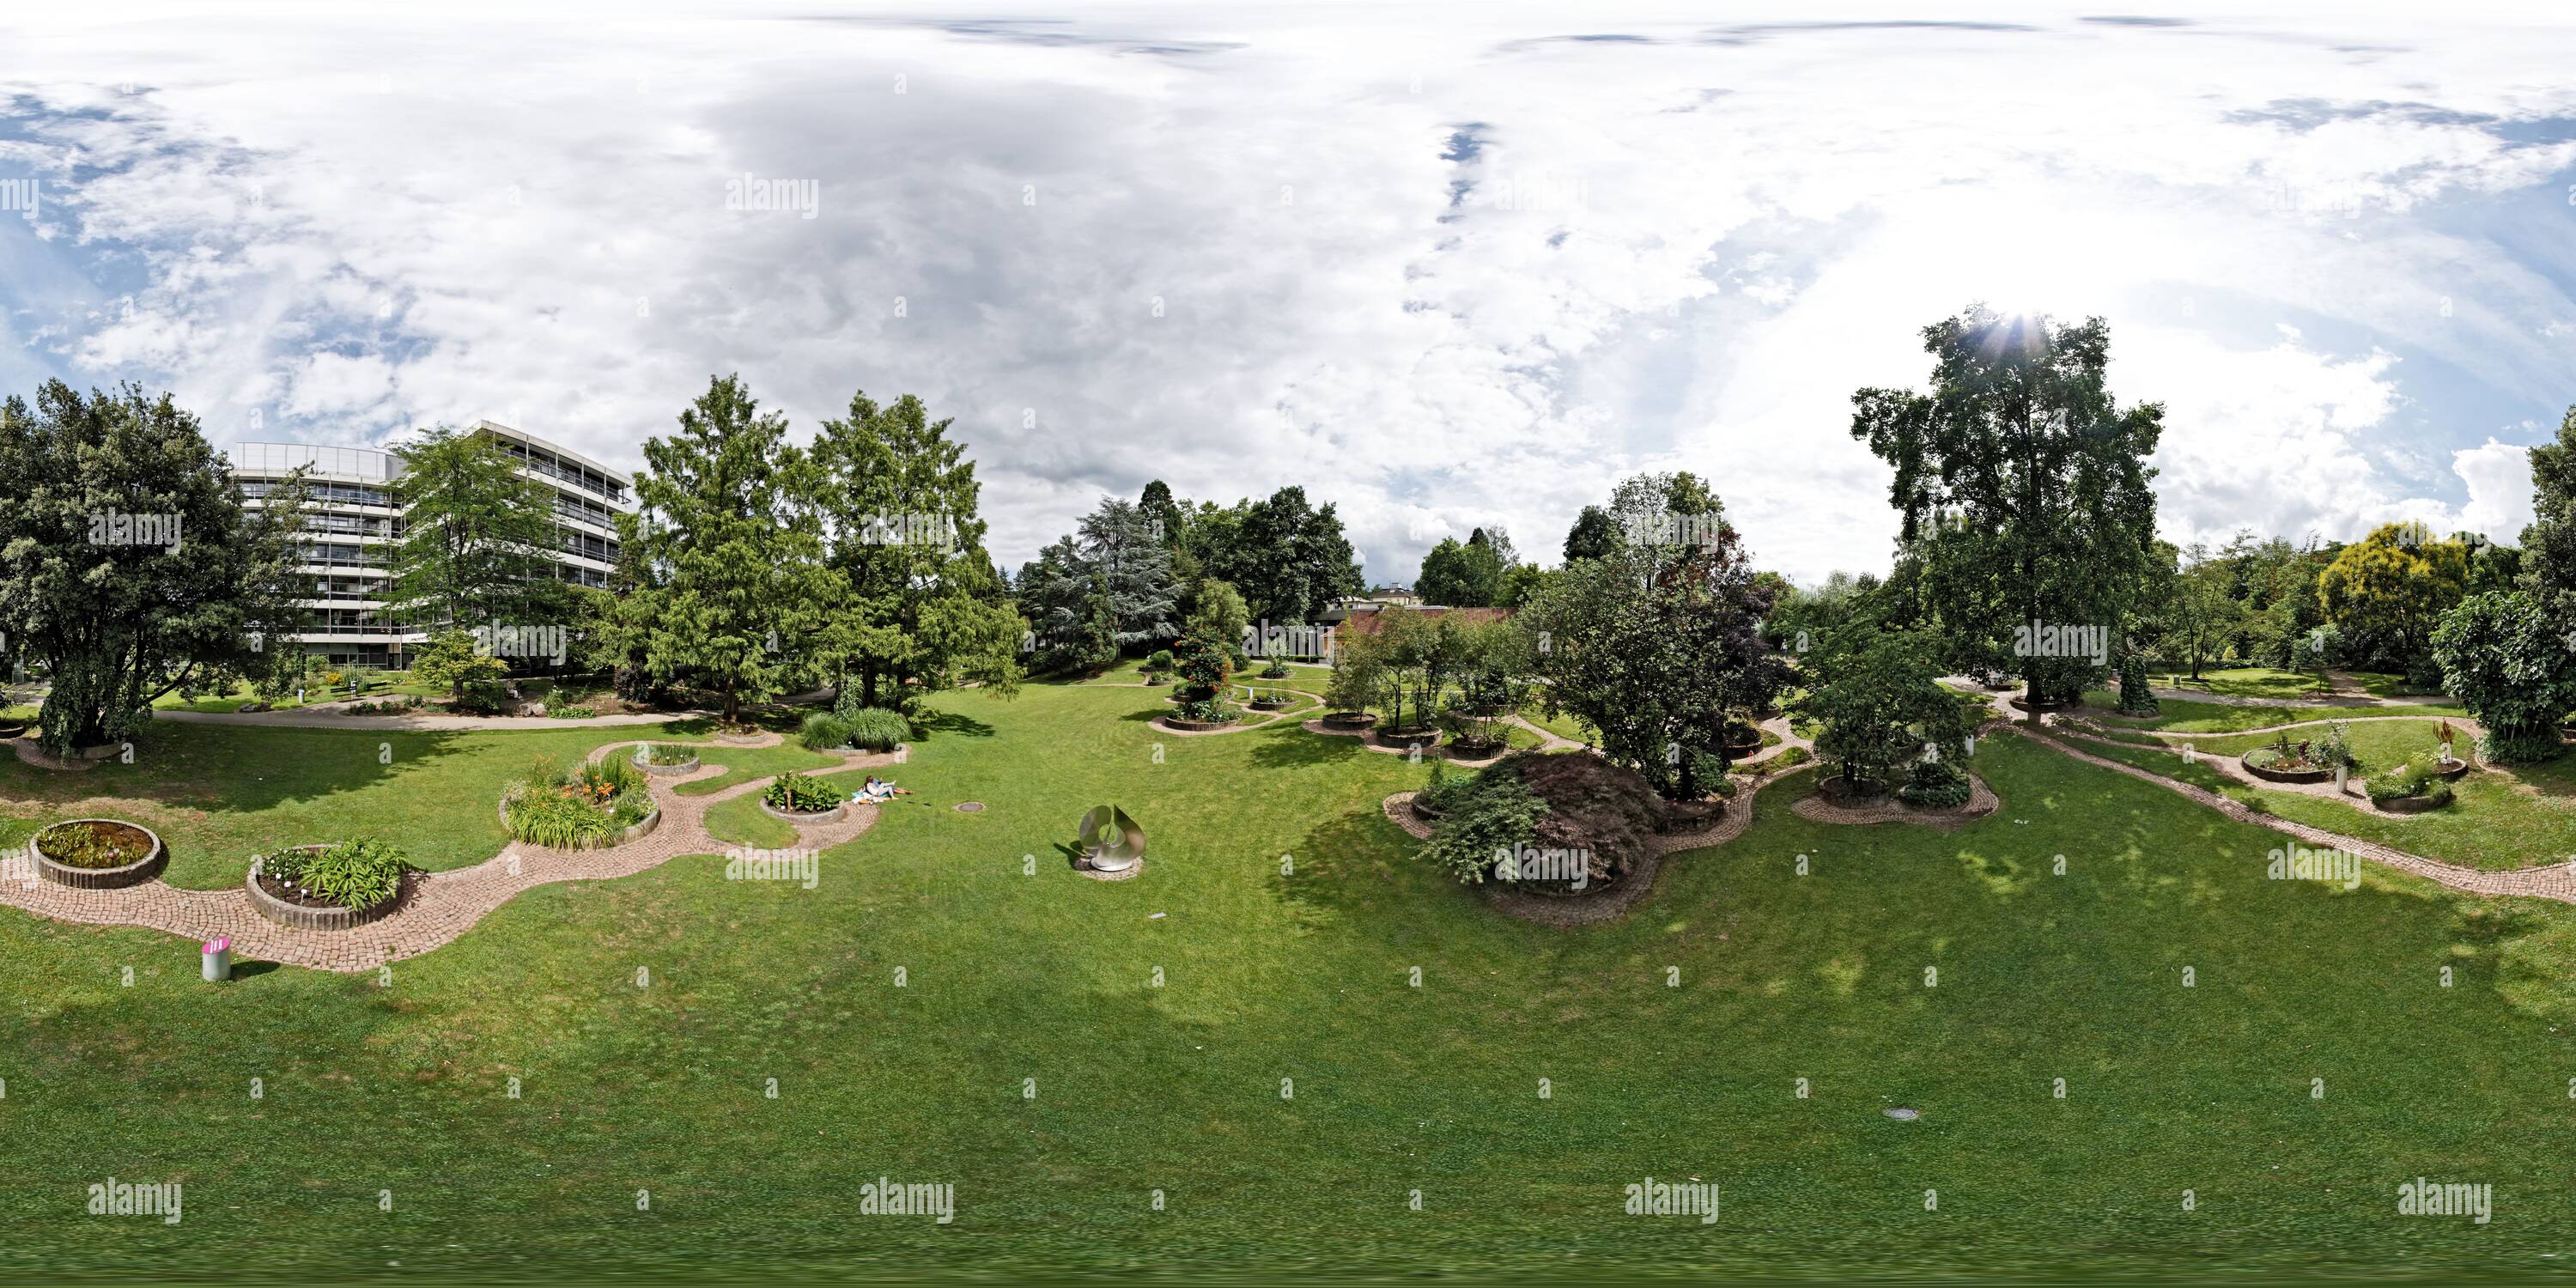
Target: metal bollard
<point>217,958</point>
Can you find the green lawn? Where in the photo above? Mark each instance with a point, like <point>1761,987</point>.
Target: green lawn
<point>1030,1060</point>
<point>219,795</point>
<point>2182,715</point>
<point>2499,819</point>
<point>2246,682</point>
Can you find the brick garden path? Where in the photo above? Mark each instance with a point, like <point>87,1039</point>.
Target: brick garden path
<point>440,905</point>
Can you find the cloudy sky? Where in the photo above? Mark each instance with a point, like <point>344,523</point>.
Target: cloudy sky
<point>1447,266</point>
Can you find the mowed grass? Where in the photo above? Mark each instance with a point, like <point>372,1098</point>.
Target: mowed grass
<point>2182,715</point>
<point>1260,1056</point>
<point>219,795</point>
<point>2500,818</point>
<point>2246,682</point>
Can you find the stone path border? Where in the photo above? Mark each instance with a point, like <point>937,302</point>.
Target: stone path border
<point>445,904</point>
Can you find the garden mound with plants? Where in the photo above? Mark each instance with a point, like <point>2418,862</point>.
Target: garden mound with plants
<point>587,808</point>
<point>1575,808</point>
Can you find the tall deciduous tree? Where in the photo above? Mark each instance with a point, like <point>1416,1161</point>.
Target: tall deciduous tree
<point>2386,593</point>
<point>2549,543</point>
<point>128,564</point>
<point>2021,483</point>
<point>918,606</point>
<point>1656,642</point>
<point>736,558</point>
<point>475,537</point>
<point>1880,706</point>
<point>1593,534</point>
<point>2199,616</point>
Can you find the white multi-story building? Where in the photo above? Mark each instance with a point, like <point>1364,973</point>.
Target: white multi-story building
<point>351,524</point>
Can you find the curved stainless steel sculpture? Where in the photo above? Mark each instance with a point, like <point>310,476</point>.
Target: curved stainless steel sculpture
<point>1111,841</point>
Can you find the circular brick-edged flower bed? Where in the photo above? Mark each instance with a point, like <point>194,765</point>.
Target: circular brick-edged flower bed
<point>1352,720</point>
<point>832,815</point>
<point>2410,804</point>
<point>1196,726</point>
<point>689,766</point>
<point>286,911</point>
<point>2452,772</point>
<point>1266,704</point>
<point>12,728</point>
<point>1424,738</point>
<point>116,878</point>
<point>2287,775</point>
<point>638,832</point>
<point>103,751</point>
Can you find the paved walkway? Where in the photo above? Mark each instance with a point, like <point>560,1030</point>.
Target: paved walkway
<point>442,905</point>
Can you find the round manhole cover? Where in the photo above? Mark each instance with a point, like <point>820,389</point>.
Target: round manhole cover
<point>970,807</point>
<point>1904,1115</point>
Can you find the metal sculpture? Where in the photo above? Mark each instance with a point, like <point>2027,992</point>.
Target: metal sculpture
<point>1111,841</point>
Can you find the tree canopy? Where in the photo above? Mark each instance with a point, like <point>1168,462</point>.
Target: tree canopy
<point>128,564</point>
<point>2020,482</point>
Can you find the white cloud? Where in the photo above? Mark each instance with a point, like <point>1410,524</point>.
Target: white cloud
<point>1682,251</point>
<point>2498,477</point>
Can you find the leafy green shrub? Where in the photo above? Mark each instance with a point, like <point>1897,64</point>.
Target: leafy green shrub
<point>2335,748</point>
<point>485,697</point>
<point>822,732</point>
<point>2413,779</point>
<point>1444,790</point>
<point>571,713</point>
<point>1277,670</point>
<point>1205,711</point>
<point>1935,784</point>
<point>877,729</point>
<point>798,794</point>
<point>1159,660</point>
<point>353,874</point>
<point>1491,812</point>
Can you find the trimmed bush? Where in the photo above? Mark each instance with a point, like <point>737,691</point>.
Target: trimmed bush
<point>1159,660</point>
<point>877,729</point>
